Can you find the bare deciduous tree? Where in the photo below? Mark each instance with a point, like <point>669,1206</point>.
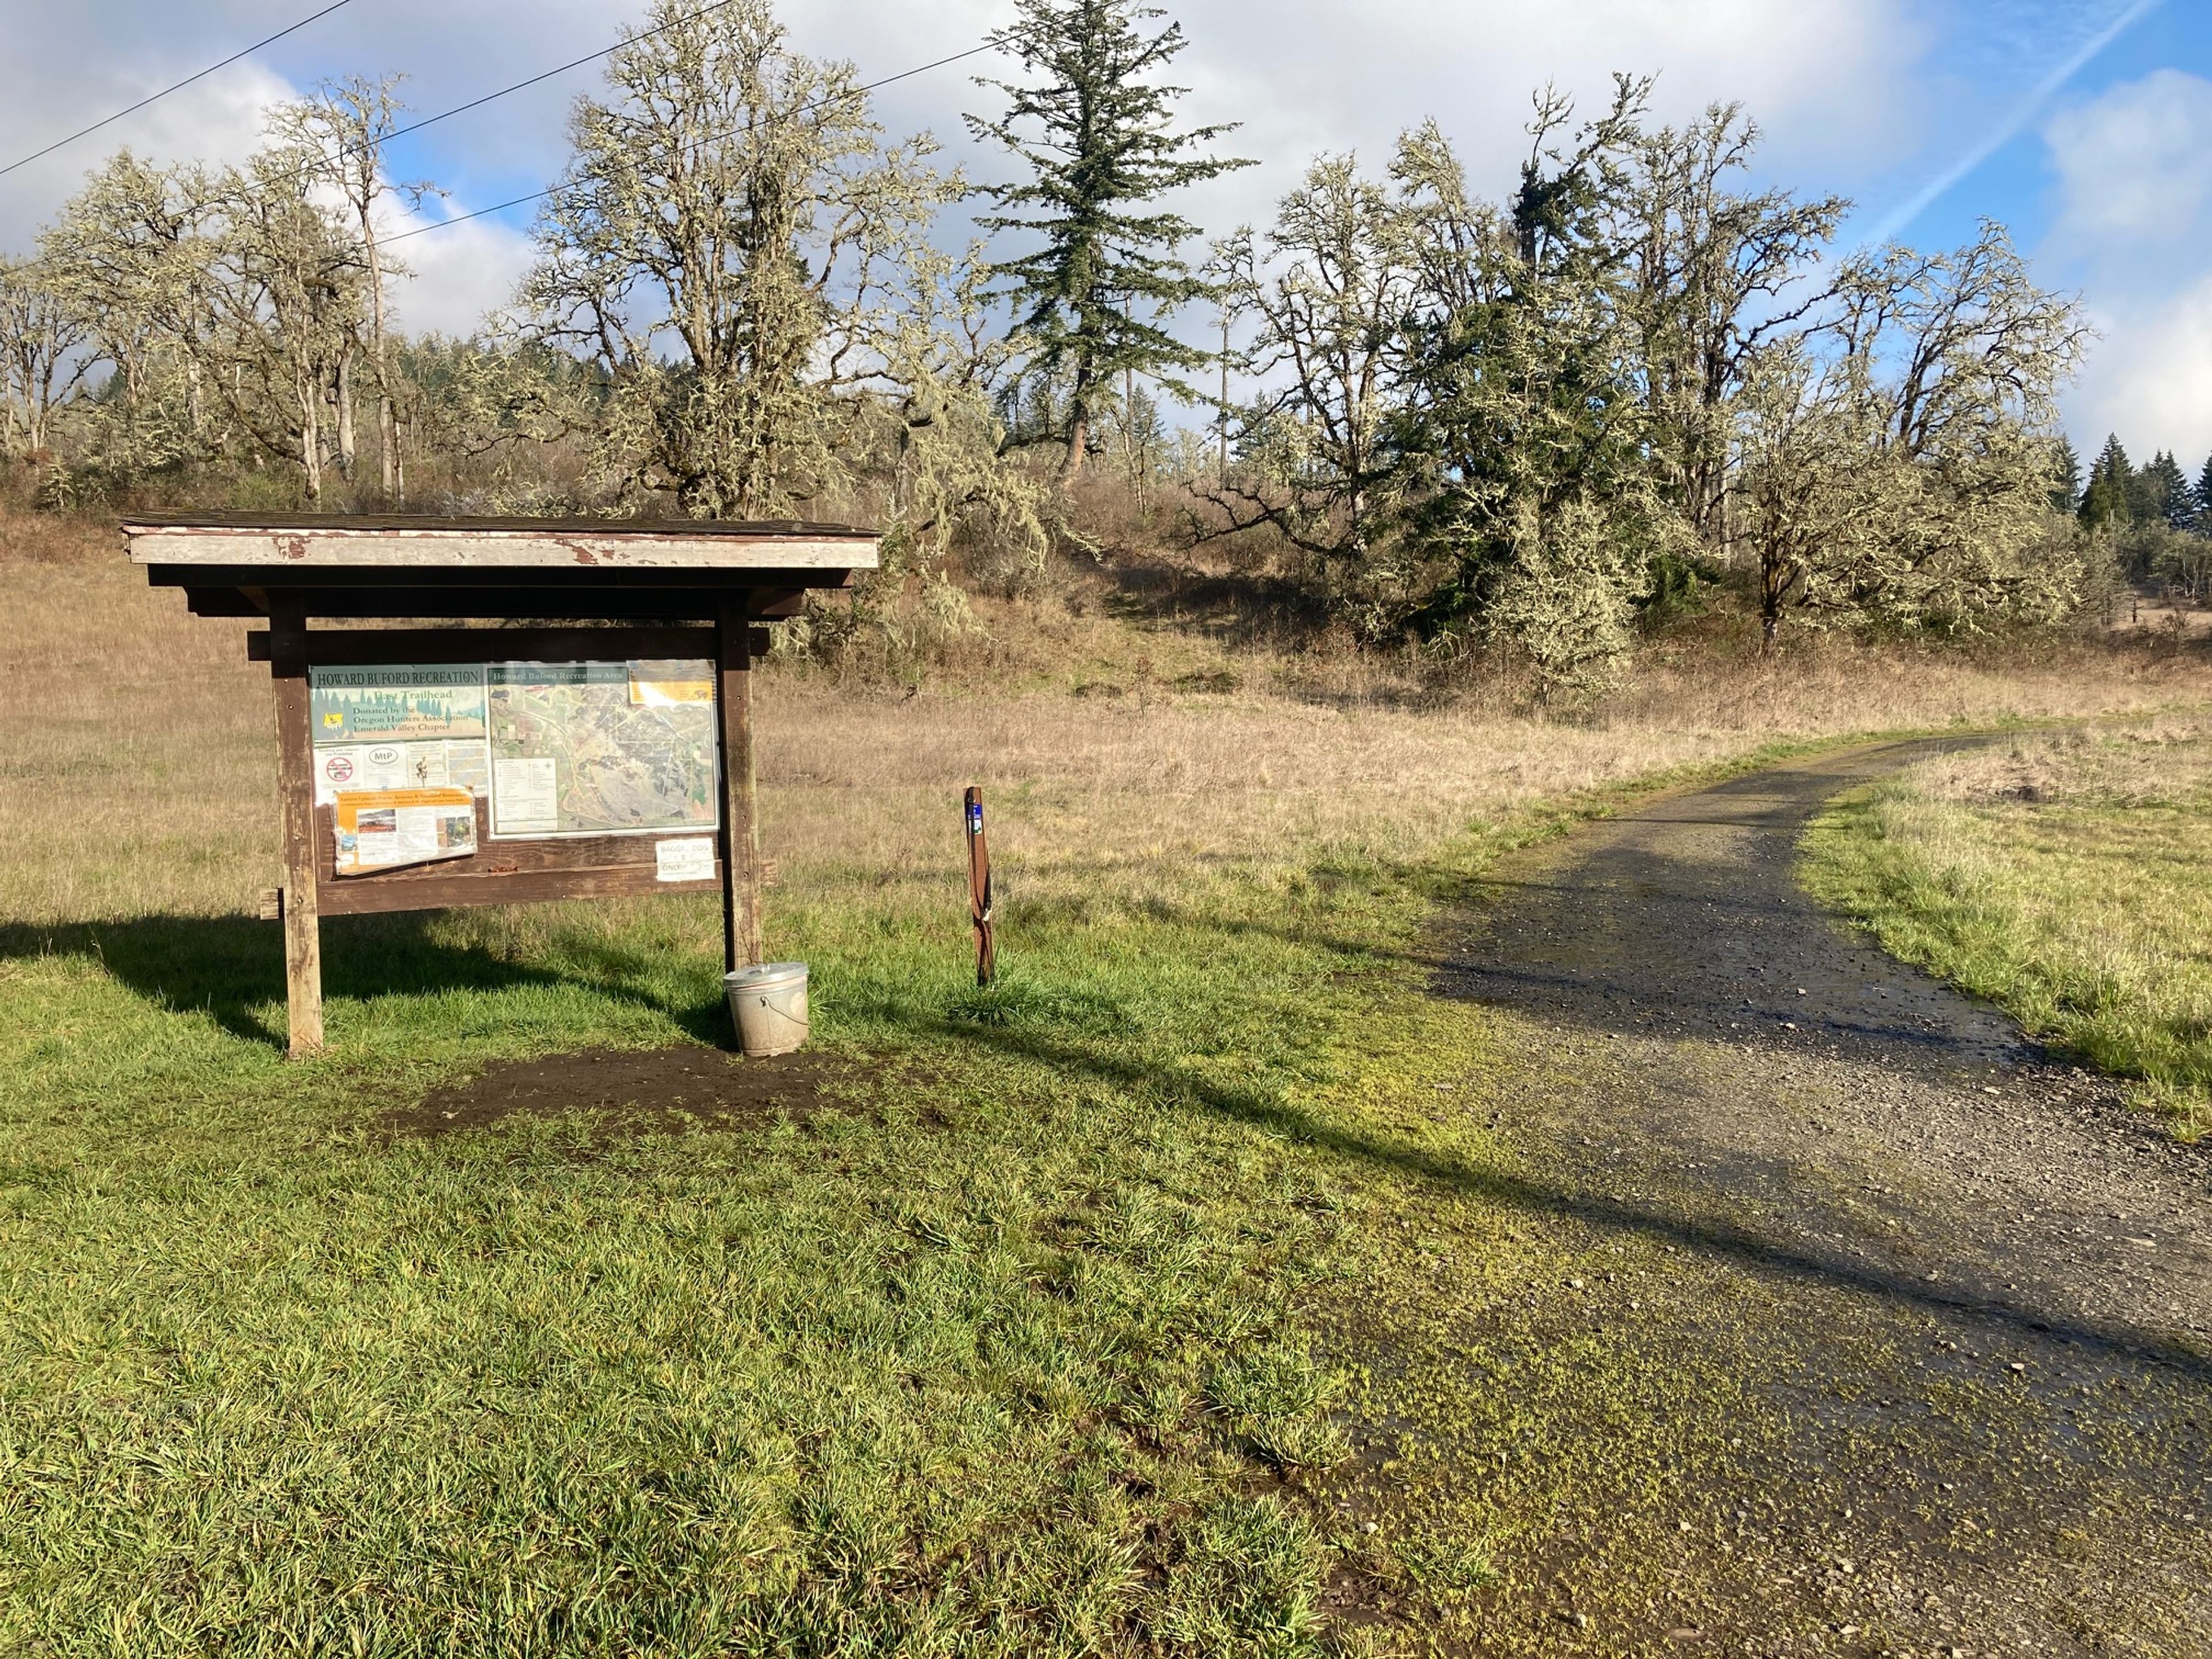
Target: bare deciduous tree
<point>1896,463</point>
<point>1714,271</point>
<point>730,244</point>
<point>283,279</point>
<point>127,252</point>
<point>1328,290</point>
<point>344,125</point>
<point>41,361</point>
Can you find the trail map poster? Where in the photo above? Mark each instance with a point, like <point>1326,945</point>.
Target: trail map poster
<point>554,748</point>
<point>601,748</point>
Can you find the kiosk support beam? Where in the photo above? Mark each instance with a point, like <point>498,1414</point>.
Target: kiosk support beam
<point>295,797</point>
<point>742,945</point>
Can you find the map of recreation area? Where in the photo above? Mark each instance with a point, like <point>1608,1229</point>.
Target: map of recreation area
<point>600,748</point>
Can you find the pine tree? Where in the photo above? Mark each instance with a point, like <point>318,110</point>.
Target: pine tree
<point>2203,499</point>
<point>2166,493</point>
<point>2105,501</point>
<point>2066,478</point>
<point>2145,489</point>
<point>1098,136</point>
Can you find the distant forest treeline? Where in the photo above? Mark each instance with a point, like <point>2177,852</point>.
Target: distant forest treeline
<point>1534,425</point>
<point>2159,518</point>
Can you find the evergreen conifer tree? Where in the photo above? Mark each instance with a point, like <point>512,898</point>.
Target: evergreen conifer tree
<point>1097,136</point>
<point>2105,501</point>
<point>2202,499</point>
<point>2066,478</point>
<point>2166,492</point>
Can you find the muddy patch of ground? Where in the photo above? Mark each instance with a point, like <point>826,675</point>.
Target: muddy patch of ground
<point>637,1092</point>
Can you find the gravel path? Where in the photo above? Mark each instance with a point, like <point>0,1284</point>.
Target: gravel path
<point>1967,1295</point>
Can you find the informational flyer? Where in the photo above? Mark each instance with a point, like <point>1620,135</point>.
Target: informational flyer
<point>683,858</point>
<point>526,796</point>
<point>388,829</point>
<point>398,726</point>
<point>670,685</point>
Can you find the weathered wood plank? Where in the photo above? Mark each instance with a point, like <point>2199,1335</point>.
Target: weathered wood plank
<point>423,523</point>
<point>318,581</point>
<point>364,595</point>
<point>360,648</point>
<point>741,937</point>
<point>295,800</point>
<point>359,895</point>
<point>326,550</point>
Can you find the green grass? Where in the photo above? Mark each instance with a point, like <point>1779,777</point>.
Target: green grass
<point>1007,1355</point>
<point>2067,879</point>
<point>1014,1353</point>
<point>1011,1376</point>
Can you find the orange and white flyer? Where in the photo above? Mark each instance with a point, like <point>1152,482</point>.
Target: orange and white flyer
<point>385,829</point>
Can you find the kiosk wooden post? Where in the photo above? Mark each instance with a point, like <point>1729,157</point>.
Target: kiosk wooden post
<point>742,943</point>
<point>296,807</point>
<point>609,591</point>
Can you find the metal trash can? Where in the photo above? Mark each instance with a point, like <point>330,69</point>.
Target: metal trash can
<point>768,1003</point>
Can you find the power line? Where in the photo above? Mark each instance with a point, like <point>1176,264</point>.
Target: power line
<point>574,63</point>
<point>850,92</point>
<point>442,115</point>
<point>165,91</point>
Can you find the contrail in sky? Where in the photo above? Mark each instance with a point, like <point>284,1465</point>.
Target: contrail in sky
<point>2022,112</point>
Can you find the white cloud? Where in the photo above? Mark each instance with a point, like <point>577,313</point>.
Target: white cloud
<point>215,120</point>
<point>1827,79</point>
<point>2137,162</point>
<point>1820,75</point>
<point>2134,172</point>
<point>1856,95</point>
<point>457,275</point>
<point>2150,379</point>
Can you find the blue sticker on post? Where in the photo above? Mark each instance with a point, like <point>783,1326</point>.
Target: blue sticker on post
<point>974,818</point>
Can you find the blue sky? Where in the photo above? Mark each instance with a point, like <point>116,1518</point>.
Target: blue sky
<point>2106,180</point>
<point>2110,189</point>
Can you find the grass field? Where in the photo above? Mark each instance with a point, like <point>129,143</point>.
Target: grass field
<point>2066,877</point>
<point>1007,1354</point>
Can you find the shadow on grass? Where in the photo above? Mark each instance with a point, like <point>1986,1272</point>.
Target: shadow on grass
<point>232,968</point>
<point>1740,1244</point>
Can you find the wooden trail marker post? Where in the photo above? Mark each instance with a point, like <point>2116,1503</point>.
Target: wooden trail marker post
<point>621,629</point>
<point>979,886</point>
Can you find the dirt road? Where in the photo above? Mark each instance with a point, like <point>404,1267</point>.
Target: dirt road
<point>1890,1335</point>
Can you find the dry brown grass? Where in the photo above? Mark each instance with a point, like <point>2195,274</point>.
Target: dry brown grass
<point>140,779</point>
<point>2144,762</point>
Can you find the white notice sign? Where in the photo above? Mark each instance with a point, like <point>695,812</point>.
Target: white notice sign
<point>691,858</point>
<point>526,796</point>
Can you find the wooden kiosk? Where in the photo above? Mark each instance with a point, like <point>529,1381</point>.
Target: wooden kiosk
<point>566,712</point>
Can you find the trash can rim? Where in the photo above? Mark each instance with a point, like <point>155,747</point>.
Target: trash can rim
<point>766,973</point>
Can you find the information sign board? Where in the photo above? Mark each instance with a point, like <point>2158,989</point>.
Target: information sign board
<point>555,749</point>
